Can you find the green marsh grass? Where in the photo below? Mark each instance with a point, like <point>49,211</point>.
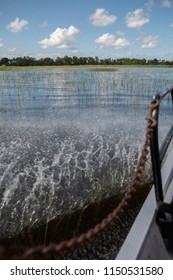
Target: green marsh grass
<point>89,67</point>
<point>103,68</point>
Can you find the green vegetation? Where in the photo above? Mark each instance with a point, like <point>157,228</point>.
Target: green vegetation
<point>10,68</point>
<point>104,68</point>
<point>28,61</point>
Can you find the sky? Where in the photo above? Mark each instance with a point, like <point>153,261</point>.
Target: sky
<point>103,28</point>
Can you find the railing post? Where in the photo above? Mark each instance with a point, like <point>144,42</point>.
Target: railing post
<point>155,156</point>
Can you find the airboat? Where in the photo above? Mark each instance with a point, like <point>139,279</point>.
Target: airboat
<point>151,235</point>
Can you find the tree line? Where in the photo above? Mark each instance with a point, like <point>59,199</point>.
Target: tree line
<point>68,60</point>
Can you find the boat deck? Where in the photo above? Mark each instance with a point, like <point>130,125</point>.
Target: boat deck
<point>144,240</point>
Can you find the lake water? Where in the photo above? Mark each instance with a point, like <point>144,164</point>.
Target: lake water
<point>69,137</point>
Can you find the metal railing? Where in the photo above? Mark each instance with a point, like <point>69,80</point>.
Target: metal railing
<point>157,154</point>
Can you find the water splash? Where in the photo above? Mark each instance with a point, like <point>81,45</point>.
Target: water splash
<point>48,173</point>
<point>68,138</point>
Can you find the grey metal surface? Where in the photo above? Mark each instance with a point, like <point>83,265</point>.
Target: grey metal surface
<point>144,240</point>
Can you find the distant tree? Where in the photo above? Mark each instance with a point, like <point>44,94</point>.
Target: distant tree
<point>167,62</point>
<point>97,61</point>
<point>28,61</point>
<point>120,61</point>
<point>48,61</point>
<point>19,61</point>
<point>143,61</point>
<point>82,60</point>
<point>75,60</point>
<point>40,62</point>
<point>67,60</point>
<point>91,61</point>
<point>4,61</point>
<point>153,61</point>
<point>58,61</point>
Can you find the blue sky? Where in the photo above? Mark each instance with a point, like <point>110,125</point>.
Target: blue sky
<point>103,28</point>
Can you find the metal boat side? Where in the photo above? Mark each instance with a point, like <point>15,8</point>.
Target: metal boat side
<point>151,236</point>
<point>144,240</point>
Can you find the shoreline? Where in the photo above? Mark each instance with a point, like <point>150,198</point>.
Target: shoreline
<point>89,67</point>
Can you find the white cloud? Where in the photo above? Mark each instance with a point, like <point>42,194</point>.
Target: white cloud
<point>166,3</point>
<point>150,41</point>
<point>121,43</point>
<point>101,18</point>
<point>1,43</point>
<point>120,33</point>
<point>108,40</point>
<point>149,5</point>
<point>171,25</point>
<point>17,25</point>
<point>136,19</point>
<point>61,38</point>
<point>12,50</point>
